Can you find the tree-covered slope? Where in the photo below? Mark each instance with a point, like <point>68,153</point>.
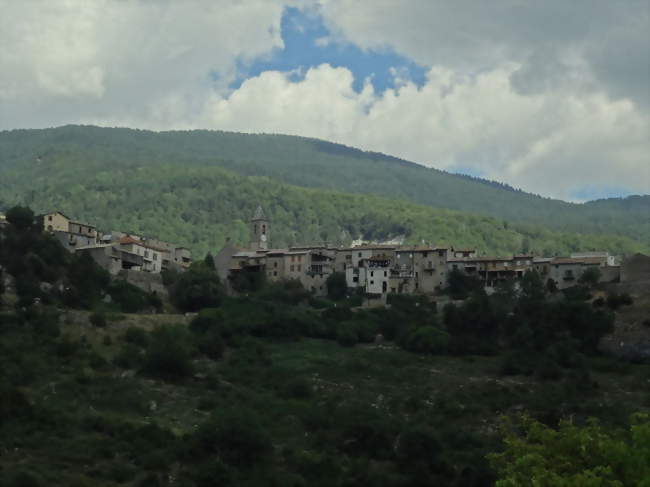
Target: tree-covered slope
<point>203,206</point>
<point>25,154</point>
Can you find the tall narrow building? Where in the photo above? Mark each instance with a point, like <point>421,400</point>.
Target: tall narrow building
<point>259,230</point>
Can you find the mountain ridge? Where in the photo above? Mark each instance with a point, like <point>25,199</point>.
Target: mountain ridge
<point>50,168</point>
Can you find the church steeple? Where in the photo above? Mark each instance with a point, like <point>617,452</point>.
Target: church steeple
<point>259,230</point>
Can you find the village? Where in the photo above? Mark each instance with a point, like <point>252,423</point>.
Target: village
<point>373,269</point>
<point>377,270</point>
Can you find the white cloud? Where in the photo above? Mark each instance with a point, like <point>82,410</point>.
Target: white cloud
<point>107,60</point>
<point>550,143</point>
<point>548,96</point>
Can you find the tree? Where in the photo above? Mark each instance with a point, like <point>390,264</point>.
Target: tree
<point>337,286</point>
<point>590,277</point>
<point>21,217</point>
<point>209,261</point>
<point>169,353</point>
<point>461,285</point>
<point>574,455</point>
<point>197,288</point>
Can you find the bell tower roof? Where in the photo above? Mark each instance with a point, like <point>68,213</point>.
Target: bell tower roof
<point>259,213</point>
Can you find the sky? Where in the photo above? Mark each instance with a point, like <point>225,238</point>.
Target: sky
<point>551,97</point>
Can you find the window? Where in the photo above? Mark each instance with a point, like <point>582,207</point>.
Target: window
<point>155,256</point>
<point>385,273</point>
<point>372,282</point>
<point>275,273</point>
<point>293,258</point>
<point>291,268</point>
<point>355,279</point>
<point>359,254</point>
<point>372,274</point>
<point>454,266</point>
<point>146,253</point>
<point>299,267</point>
<point>441,253</point>
<point>49,218</point>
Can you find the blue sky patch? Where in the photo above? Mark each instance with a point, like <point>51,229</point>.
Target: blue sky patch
<point>597,192</point>
<point>307,44</point>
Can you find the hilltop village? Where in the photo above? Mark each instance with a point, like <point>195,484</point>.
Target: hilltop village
<point>381,269</point>
<point>138,259</point>
<point>374,270</point>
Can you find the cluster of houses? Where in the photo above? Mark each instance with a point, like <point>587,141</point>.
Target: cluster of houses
<point>373,269</point>
<point>115,251</point>
<point>381,269</point>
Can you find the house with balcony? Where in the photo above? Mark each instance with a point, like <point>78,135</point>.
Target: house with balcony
<point>566,271</point>
<point>419,269</point>
<point>71,233</point>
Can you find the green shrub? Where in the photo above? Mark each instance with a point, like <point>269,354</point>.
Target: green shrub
<point>128,357</point>
<point>13,403</point>
<point>427,339</point>
<point>298,388</point>
<point>128,297</point>
<point>236,437</point>
<point>136,336</point>
<point>168,355</point>
<point>337,286</point>
<point>98,320</point>
<point>347,336</point>
<point>211,344</point>
<point>197,288</point>
<point>207,319</point>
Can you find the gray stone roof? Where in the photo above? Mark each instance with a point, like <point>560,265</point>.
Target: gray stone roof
<point>259,213</point>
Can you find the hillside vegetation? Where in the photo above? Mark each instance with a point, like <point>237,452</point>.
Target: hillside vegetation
<point>128,169</point>
<point>203,206</point>
<point>277,388</point>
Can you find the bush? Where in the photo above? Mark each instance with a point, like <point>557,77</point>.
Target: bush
<point>21,217</point>
<point>128,357</point>
<point>347,335</point>
<point>128,297</point>
<point>98,320</point>
<point>337,286</point>
<point>211,344</point>
<point>615,301</point>
<point>136,336</point>
<point>235,437</point>
<point>13,403</point>
<point>207,319</point>
<point>169,353</point>
<point>427,339</point>
<point>197,288</point>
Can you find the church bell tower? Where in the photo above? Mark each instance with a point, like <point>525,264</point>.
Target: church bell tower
<point>259,230</point>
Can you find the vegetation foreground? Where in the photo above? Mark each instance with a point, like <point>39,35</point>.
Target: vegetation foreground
<point>277,388</point>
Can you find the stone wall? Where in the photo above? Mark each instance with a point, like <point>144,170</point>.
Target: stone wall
<point>147,281</point>
<point>635,268</point>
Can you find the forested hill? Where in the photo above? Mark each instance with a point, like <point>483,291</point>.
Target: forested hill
<point>202,206</point>
<point>312,163</point>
